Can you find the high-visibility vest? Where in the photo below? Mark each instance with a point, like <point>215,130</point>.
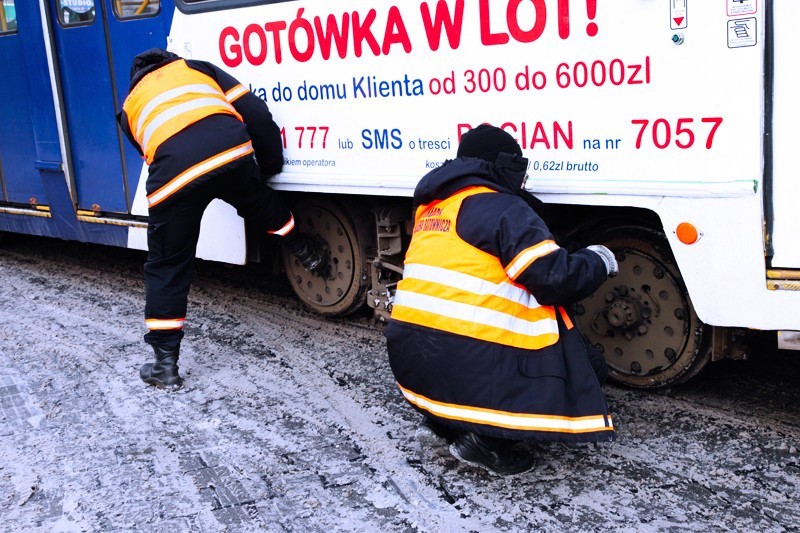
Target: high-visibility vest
<point>168,100</point>
<point>452,286</point>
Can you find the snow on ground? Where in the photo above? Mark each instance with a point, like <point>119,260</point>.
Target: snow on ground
<point>292,422</point>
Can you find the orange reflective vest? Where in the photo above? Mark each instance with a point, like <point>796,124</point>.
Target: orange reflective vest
<point>452,286</point>
<point>168,100</point>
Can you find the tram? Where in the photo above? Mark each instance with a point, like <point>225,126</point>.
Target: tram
<point>662,129</point>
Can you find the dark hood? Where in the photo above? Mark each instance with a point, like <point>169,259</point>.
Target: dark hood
<point>505,175</point>
<point>148,61</point>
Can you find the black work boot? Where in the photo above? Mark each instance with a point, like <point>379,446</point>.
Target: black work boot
<point>494,455</point>
<point>306,249</point>
<point>164,372</point>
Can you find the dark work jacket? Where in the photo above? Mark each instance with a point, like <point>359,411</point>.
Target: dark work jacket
<point>494,387</point>
<point>213,135</point>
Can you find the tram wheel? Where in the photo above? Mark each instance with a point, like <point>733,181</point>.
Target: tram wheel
<point>642,319</point>
<point>340,288</point>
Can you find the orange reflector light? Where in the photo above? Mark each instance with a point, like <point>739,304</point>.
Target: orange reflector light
<point>687,233</point>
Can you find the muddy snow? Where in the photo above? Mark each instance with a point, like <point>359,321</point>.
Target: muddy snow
<point>292,422</point>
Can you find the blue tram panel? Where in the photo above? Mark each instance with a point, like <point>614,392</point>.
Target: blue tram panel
<point>94,170</point>
<point>91,37</point>
<point>20,29</point>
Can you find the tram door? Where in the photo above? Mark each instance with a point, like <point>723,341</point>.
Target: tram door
<point>786,115</point>
<point>24,98</point>
<point>95,42</point>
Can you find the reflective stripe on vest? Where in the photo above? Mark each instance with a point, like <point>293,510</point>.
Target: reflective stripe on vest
<point>453,286</point>
<point>168,100</point>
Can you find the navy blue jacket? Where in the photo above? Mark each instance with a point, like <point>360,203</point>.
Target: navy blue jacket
<point>448,376</point>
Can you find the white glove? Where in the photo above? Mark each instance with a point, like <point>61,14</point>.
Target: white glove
<point>612,268</point>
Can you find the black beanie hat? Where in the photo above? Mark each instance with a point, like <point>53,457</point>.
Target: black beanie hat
<point>487,142</point>
<point>151,58</point>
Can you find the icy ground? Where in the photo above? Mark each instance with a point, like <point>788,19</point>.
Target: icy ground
<point>292,422</point>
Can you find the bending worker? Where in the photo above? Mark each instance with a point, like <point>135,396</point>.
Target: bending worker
<point>479,340</point>
<point>204,136</point>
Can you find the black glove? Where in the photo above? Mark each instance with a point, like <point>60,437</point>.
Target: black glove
<point>265,177</point>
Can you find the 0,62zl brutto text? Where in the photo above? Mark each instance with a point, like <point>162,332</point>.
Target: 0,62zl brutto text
<point>551,165</point>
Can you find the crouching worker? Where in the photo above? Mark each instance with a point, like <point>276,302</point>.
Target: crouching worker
<point>479,340</point>
<point>204,136</point>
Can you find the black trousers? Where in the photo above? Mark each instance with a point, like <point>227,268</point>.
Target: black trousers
<point>174,229</point>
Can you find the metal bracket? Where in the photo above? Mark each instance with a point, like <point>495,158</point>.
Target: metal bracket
<point>387,268</point>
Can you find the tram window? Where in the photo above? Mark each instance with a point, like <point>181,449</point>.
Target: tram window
<point>131,9</point>
<point>8,17</point>
<point>75,12</point>
<point>199,6</point>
